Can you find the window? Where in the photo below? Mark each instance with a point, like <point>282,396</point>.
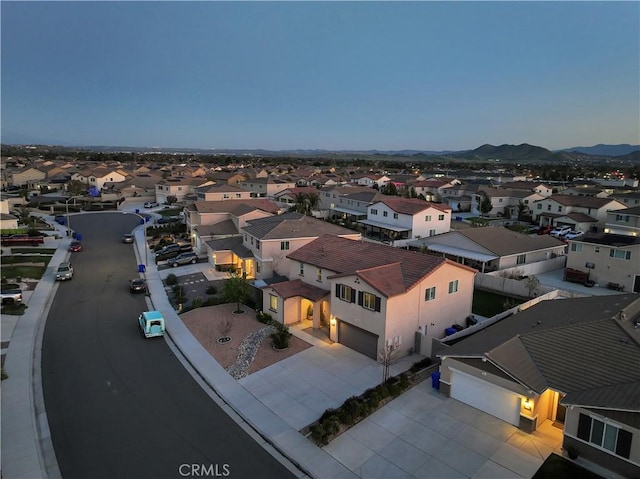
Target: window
<point>597,250</point>
<point>258,267</point>
<point>385,213</point>
<point>500,200</point>
<point>273,303</point>
<point>620,254</point>
<point>559,209</point>
<point>374,211</point>
<point>319,275</point>
<point>576,247</point>
<point>369,301</point>
<point>284,245</point>
<point>238,195</point>
<point>622,218</point>
<point>395,216</point>
<point>345,293</point>
<point>605,435</point>
<point>257,244</point>
<point>252,241</point>
<point>432,232</point>
<point>301,273</point>
<point>245,237</point>
<point>440,217</point>
<point>430,294</point>
<point>521,259</point>
<point>539,206</point>
<point>225,196</point>
<point>453,286</point>
<point>427,218</point>
<point>548,207</point>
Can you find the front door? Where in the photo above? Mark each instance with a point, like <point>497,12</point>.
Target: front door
<point>561,411</point>
<point>636,284</point>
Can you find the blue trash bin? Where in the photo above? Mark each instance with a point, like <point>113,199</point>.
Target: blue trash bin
<point>141,268</point>
<point>137,211</point>
<point>74,234</point>
<point>78,236</point>
<point>435,380</point>
<point>450,331</point>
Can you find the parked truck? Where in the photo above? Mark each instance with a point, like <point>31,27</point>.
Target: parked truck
<point>22,240</point>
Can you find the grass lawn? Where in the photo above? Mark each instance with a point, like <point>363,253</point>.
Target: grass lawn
<point>489,304</point>
<point>33,272</point>
<point>43,251</point>
<point>169,211</point>
<point>557,467</point>
<point>6,260</point>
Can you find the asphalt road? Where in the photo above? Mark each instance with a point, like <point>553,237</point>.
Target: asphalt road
<point>118,405</point>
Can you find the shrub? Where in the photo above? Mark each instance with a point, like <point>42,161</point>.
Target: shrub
<point>211,289</point>
<point>346,418</point>
<point>383,391</point>
<point>171,279</point>
<point>212,301</point>
<point>404,381</point>
<point>573,452</point>
<point>318,434</point>
<point>196,303</point>
<point>395,390</point>
<point>265,318</point>
<point>331,426</point>
<point>328,414</point>
<point>423,363</point>
<point>280,338</point>
<point>374,399</point>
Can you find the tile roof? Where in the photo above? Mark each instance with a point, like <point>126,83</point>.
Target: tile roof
<point>581,201</point>
<point>233,243</point>
<point>580,347</point>
<point>411,206</point>
<point>610,239</point>
<point>296,287</point>
<point>236,207</point>
<point>226,227</point>
<point>293,225</point>
<point>504,242</point>
<point>390,270</point>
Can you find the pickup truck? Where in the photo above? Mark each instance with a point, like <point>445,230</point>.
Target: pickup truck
<point>11,296</point>
<point>22,240</point>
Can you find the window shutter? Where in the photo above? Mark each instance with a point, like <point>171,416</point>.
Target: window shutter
<point>337,290</point>
<point>353,295</point>
<point>378,301</point>
<point>360,297</point>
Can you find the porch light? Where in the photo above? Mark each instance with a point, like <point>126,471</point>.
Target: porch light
<point>528,404</point>
<point>332,320</point>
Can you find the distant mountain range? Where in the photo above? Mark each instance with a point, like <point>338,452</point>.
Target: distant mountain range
<point>524,153</point>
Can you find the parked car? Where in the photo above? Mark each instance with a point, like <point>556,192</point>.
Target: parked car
<point>545,230</point>
<point>137,285</point>
<point>128,238</point>
<point>75,246</point>
<point>573,234</point>
<point>11,295</point>
<point>560,231</point>
<point>151,323</point>
<point>150,204</point>
<point>64,272</point>
<point>184,258</point>
<point>167,252</point>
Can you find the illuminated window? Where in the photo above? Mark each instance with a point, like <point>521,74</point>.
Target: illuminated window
<point>273,303</point>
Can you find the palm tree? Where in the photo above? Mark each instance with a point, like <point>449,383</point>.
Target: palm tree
<point>305,203</point>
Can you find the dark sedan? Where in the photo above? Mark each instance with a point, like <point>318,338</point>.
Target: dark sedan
<point>137,286</point>
<point>75,246</point>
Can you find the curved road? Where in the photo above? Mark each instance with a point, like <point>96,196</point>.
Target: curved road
<point>121,406</point>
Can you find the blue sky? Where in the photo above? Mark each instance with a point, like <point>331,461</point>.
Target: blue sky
<point>330,75</point>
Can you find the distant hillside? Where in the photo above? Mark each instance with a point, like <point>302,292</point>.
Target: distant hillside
<point>518,153</point>
<point>634,156</point>
<point>605,150</point>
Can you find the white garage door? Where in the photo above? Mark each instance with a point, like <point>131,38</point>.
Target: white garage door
<point>487,397</point>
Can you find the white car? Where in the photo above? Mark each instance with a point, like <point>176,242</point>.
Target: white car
<point>150,204</point>
<point>572,234</point>
<point>560,230</point>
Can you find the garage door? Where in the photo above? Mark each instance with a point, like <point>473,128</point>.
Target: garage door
<point>487,397</point>
<point>358,339</point>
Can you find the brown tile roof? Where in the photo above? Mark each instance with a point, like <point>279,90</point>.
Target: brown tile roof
<point>411,206</point>
<point>293,225</point>
<point>236,207</point>
<point>504,242</point>
<point>390,270</point>
<point>582,201</point>
<point>296,287</point>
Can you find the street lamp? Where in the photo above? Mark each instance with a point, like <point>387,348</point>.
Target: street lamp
<point>144,223</point>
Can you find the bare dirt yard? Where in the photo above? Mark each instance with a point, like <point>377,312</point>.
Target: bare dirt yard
<point>207,324</point>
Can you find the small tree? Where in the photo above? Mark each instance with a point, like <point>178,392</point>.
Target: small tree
<point>235,289</point>
<point>485,206</point>
<point>224,327</point>
<point>171,199</point>
<point>532,284</point>
<point>387,356</point>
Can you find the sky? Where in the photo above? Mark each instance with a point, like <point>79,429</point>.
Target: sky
<point>320,75</point>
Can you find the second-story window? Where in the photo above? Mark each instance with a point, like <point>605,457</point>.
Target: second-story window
<point>385,213</point>
<point>430,294</point>
<point>257,244</point>
<point>319,275</point>
<point>374,211</point>
<point>284,245</point>
<point>301,269</point>
<point>427,218</point>
<point>453,286</point>
<point>395,216</point>
<point>440,217</point>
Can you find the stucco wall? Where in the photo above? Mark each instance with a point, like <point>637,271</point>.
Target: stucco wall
<point>606,269</point>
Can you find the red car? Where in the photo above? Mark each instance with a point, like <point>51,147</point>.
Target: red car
<point>545,230</point>
<point>75,246</point>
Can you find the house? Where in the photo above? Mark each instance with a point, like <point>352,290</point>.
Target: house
<point>369,180</point>
<point>97,177</point>
<point>26,176</point>
<point>458,197</point>
<point>369,296</point>
<point>178,188</point>
<point>507,203</point>
<point>628,198</point>
<point>492,249</point>
<point>347,202</point>
<point>612,258</point>
<point>221,192</point>
<point>557,210</point>
<point>229,177</point>
<point>535,186</point>
<point>287,198</point>
<point>623,222</point>
<point>398,220</point>
<point>431,189</point>
<point>572,362</point>
<point>271,239</point>
<point>265,187</point>
<point>237,212</point>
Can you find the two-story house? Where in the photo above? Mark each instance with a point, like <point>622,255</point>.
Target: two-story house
<point>370,296</point>
<point>431,189</point>
<point>458,197</point>
<point>535,186</point>
<point>396,220</point>
<point>504,202</point>
<point>221,192</point>
<point>271,239</point>
<point>582,213</point>
<point>369,180</point>
<point>97,177</point>
<point>178,188</point>
<point>26,176</point>
<point>266,187</point>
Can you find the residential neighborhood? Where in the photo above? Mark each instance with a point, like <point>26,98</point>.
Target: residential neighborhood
<point>392,265</point>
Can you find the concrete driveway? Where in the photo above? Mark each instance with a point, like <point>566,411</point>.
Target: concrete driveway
<point>420,434</point>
